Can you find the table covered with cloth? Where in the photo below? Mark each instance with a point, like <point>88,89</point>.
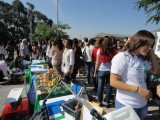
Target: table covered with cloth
<point>35,95</point>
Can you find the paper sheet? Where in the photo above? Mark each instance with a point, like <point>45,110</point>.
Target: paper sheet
<point>13,95</point>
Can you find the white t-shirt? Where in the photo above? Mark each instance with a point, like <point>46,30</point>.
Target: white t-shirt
<point>104,66</point>
<point>24,49</point>
<point>3,67</point>
<point>49,51</point>
<point>67,60</point>
<point>132,70</point>
<point>88,55</point>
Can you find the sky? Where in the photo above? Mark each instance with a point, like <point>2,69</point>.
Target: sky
<point>87,18</point>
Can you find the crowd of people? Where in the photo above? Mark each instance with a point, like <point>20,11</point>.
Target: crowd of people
<point>107,62</point>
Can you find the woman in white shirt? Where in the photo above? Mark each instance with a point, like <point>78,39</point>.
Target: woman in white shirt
<point>49,53</point>
<point>88,57</point>
<point>68,59</point>
<point>128,72</point>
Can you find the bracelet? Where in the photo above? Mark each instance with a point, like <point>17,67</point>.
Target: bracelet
<point>137,89</point>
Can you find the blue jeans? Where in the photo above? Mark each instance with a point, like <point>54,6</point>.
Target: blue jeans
<point>88,66</point>
<point>141,112</point>
<point>104,76</point>
<point>95,82</point>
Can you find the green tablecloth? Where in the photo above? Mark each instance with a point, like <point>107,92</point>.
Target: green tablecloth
<point>28,75</point>
<point>58,118</point>
<point>58,92</point>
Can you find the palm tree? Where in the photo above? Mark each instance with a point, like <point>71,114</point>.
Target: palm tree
<point>152,9</point>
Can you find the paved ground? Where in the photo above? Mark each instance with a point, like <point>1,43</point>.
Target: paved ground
<point>5,88</point>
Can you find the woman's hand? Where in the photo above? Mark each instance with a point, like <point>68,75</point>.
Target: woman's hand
<point>158,90</point>
<point>145,93</point>
<point>95,75</point>
<point>68,73</point>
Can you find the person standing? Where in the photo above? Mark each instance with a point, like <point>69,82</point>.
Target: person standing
<point>57,53</point>
<point>129,70</point>
<point>102,69</point>
<point>44,48</point>
<point>88,58</point>
<point>78,54</point>
<point>49,53</point>
<point>24,50</point>
<point>35,50</point>
<point>94,58</point>
<point>10,49</point>
<point>68,60</point>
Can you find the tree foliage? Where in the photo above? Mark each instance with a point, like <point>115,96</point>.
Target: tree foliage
<point>151,8</point>
<point>18,21</point>
<point>43,31</point>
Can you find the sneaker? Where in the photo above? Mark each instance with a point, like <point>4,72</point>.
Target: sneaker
<point>107,105</point>
<point>94,89</point>
<point>100,104</point>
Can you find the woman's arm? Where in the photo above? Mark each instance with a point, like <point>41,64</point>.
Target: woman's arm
<point>53,50</point>
<point>97,64</point>
<point>115,81</point>
<point>155,65</point>
<point>158,90</point>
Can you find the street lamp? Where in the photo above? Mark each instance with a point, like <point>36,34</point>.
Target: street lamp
<point>57,16</point>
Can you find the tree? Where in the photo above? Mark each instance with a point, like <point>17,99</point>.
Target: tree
<point>61,27</point>
<point>18,18</point>
<point>18,21</point>
<point>152,9</point>
<point>43,31</point>
<point>6,18</point>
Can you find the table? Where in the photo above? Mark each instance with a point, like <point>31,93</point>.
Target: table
<point>22,109</point>
<point>35,95</point>
<point>38,69</point>
<point>53,105</point>
<point>60,91</point>
<point>37,62</point>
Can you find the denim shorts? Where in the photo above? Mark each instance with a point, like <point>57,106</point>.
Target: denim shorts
<point>141,112</point>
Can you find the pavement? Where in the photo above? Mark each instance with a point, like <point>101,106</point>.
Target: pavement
<point>6,87</point>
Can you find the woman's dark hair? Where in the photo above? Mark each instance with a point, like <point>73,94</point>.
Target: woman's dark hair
<point>140,39</point>
<point>75,41</point>
<point>10,42</point>
<point>85,39</point>
<point>98,42</point>
<point>58,42</point>
<point>35,43</point>
<point>91,42</point>
<point>9,59</point>
<point>107,46</point>
<point>70,42</point>
<point>112,41</point>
